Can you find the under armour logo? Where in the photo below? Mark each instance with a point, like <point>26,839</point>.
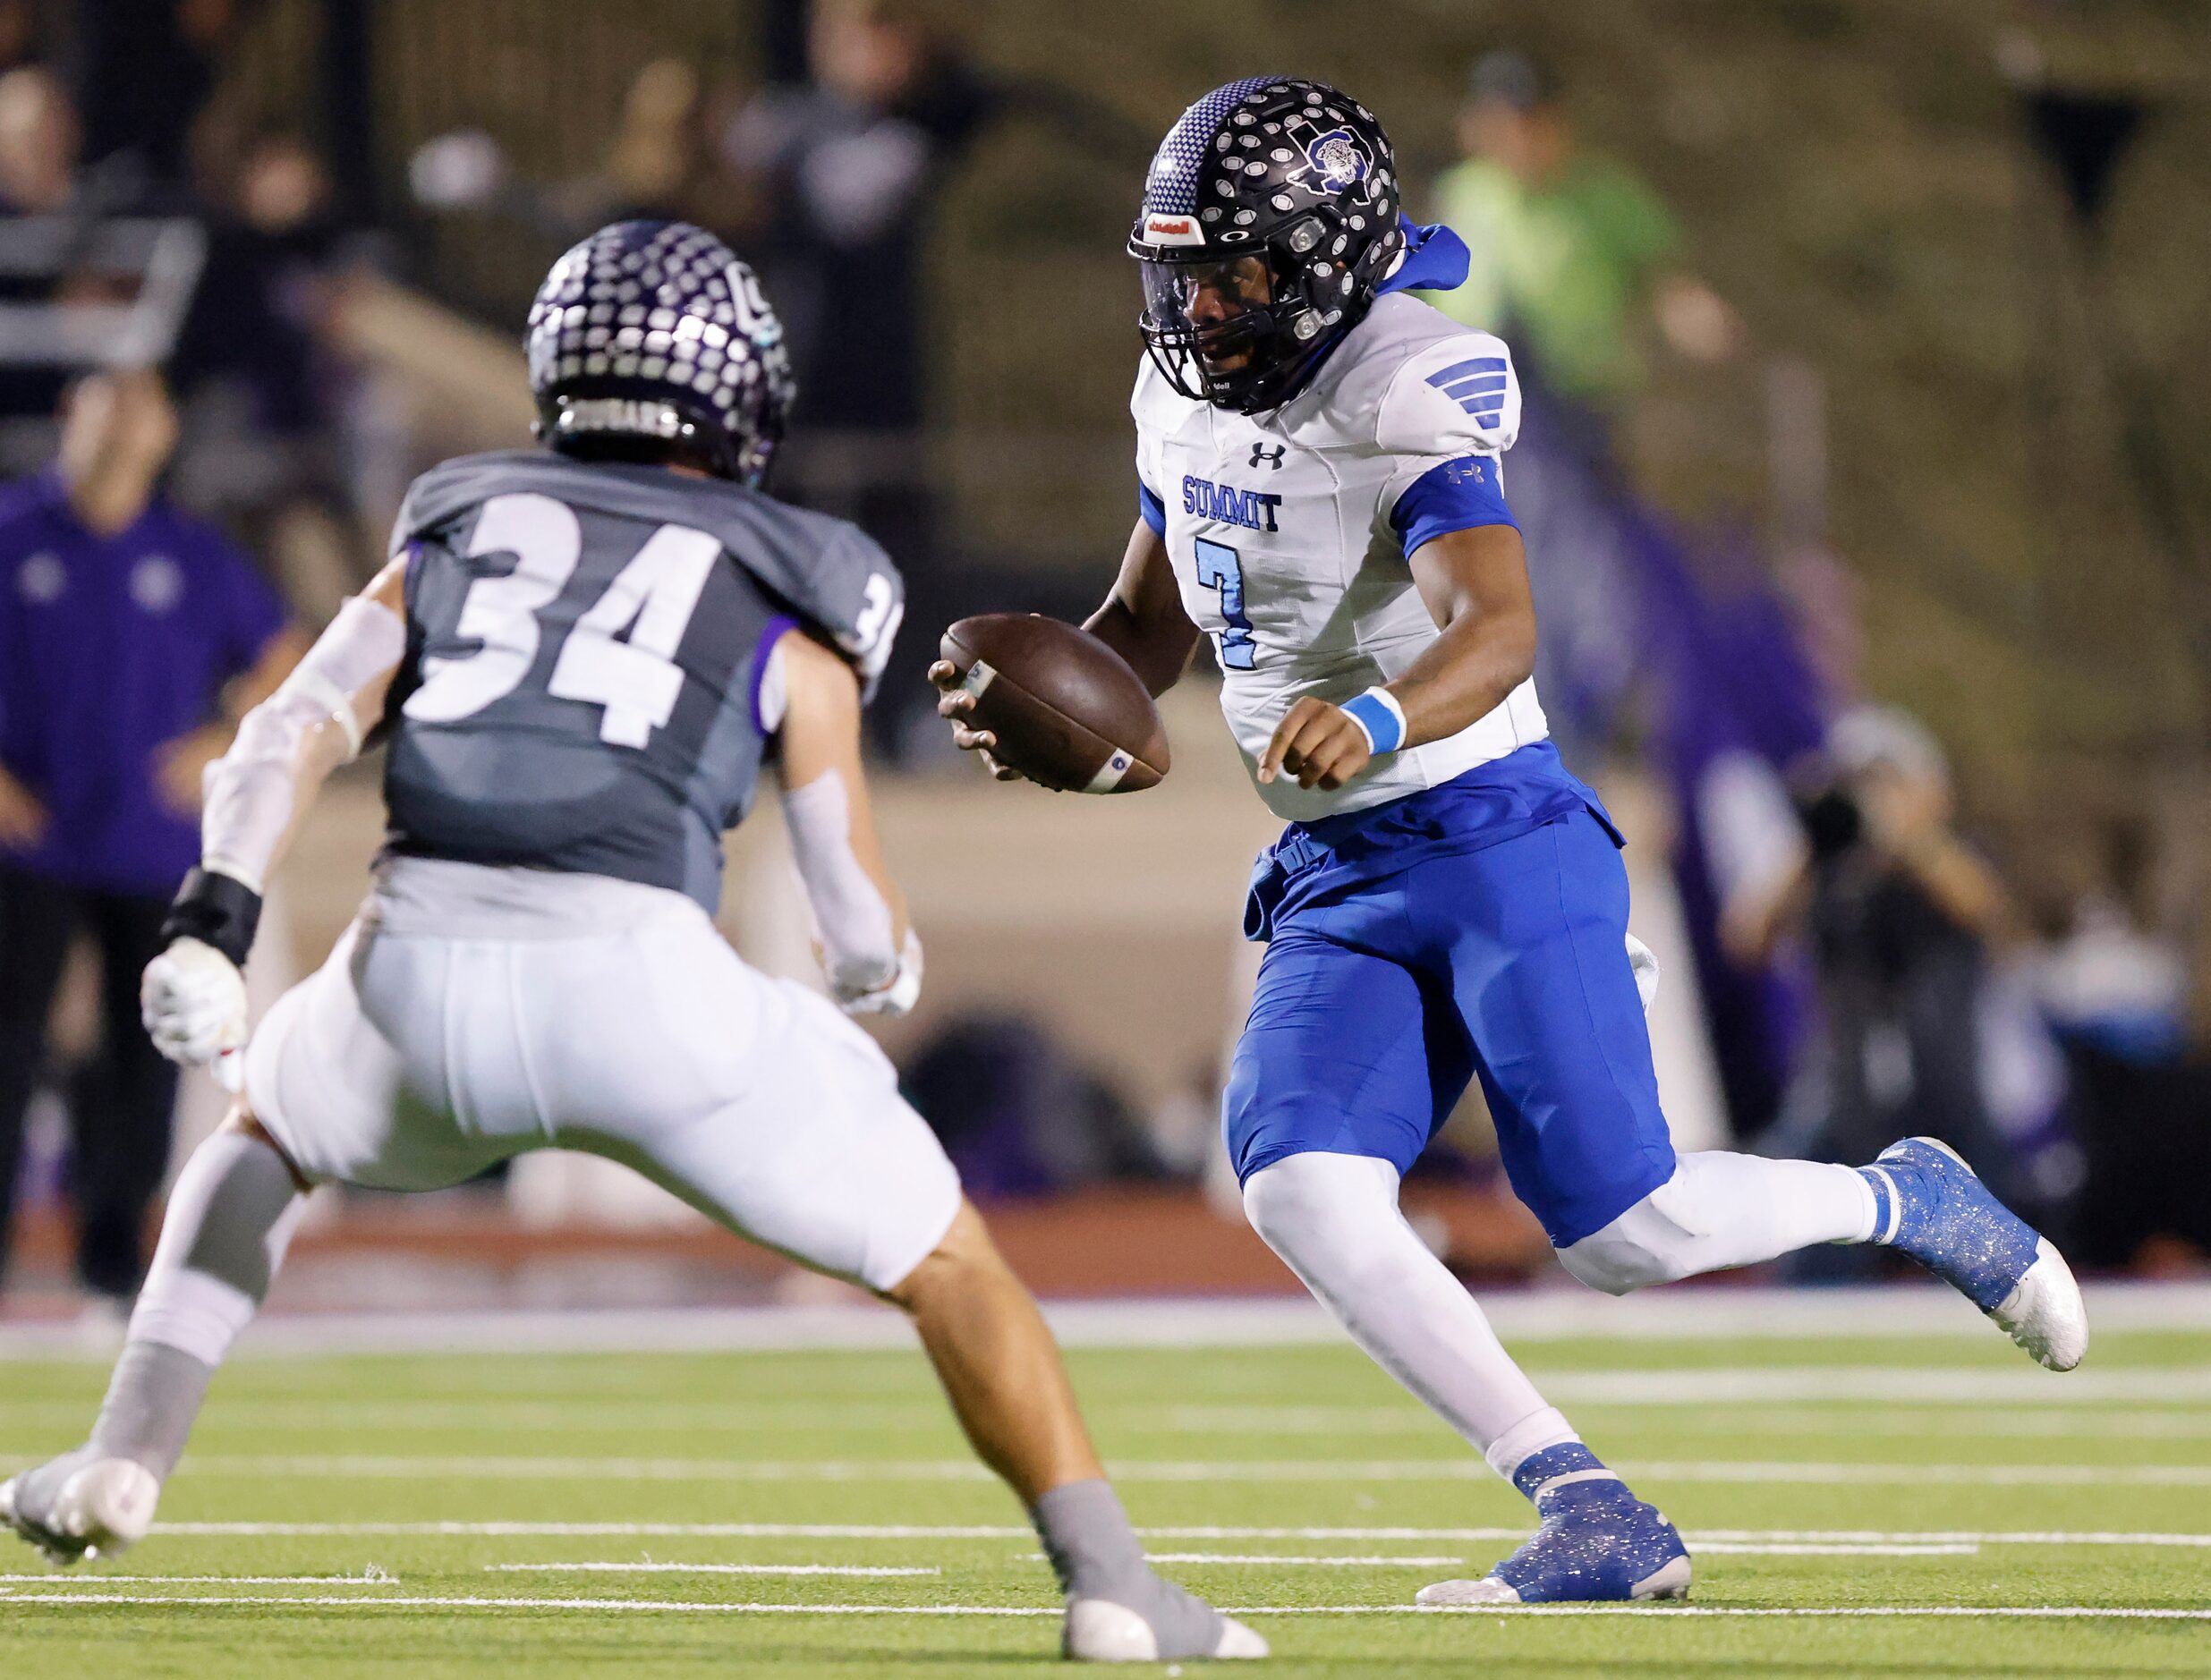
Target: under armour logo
<point>1268,456</point>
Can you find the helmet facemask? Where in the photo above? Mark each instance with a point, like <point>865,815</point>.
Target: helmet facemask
<point>1270,217</point>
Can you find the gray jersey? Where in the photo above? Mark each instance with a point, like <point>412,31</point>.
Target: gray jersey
<point>585,648</point>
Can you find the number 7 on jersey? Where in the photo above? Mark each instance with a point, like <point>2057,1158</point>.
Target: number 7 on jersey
<point>1219,567</point>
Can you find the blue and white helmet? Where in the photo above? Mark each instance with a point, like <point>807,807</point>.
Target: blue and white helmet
<point>651,339</point>
<point>1283,195</point>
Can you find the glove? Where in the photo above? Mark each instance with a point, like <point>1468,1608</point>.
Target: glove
<point>1645,967</point>
<point>193,1003</point>
<point>898,994</point>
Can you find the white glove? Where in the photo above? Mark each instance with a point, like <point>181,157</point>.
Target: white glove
<point>193,1003</point>
<point>896,997</point>
<point>1645,967</point>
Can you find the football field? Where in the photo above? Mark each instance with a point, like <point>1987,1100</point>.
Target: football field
<point>1930,1505</point>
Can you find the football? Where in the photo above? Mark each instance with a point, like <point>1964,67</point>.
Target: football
<point>1067,711</point>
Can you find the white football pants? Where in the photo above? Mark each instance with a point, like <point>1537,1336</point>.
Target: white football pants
<point>471,1014</point>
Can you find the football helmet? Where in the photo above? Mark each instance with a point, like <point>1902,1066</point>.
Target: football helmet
<point>1270,216</point>
<point>651,340</point>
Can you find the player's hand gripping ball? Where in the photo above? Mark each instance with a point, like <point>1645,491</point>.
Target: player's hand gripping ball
<point>1041,700</point>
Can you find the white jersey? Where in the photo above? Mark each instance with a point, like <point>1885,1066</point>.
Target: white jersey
<point>1280,528</point>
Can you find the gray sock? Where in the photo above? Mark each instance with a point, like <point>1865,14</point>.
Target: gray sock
<point>152,1401</point>
<point>1096,1554</point>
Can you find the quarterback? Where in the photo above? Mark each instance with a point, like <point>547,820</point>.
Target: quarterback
<point>1320,490</point>
<point>582,657</point>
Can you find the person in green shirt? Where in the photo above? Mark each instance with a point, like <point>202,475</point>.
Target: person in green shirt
<point>1570,248</point>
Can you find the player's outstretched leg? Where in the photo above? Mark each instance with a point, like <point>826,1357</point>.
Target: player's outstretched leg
<point>221,1243</point>
<point>1334,1220</point>
<point>1721,1211</point>
<point>1003,1374</point>
<point>1931,1205</point>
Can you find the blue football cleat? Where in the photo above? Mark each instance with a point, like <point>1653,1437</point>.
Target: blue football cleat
<point>1931,1205</point>
<point>1598,1542</point>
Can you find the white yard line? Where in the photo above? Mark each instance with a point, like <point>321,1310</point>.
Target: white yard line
<point>1786,1471</point>
<point>901,1531</point>
<point>649,1568</point>
<point>703,1606</point>
<point>1843,1417</point>
<point>1935,1402</point>
<point>1529,1314</point>
<point>1742,1548</point>
<point>1703,1548</point>
<point>55,1578</point>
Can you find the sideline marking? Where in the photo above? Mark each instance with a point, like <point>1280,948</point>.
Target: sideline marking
<point>901,1531</point>
<point>645,1606</point>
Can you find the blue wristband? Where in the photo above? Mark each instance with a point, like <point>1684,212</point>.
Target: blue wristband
<point>1377,712</point>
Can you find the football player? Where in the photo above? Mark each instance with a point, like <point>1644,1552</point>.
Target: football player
<point>1320,489</point>
<point>582,657</point>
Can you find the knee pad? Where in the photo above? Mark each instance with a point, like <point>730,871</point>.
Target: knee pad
<point>1647,1244</point>
<point>1303,1193</point>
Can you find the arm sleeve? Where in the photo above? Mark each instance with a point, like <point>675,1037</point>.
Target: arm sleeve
<point>1459,494</point>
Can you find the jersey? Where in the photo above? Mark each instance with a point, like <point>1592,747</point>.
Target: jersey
<point>1290,530</point>
<point>586,646</point>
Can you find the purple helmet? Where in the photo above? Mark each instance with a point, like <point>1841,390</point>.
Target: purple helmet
<point>651,338</point>
<point>1270,216</point>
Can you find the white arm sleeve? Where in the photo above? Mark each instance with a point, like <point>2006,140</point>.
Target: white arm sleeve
<point>858,933</point>
<point>246,794</point>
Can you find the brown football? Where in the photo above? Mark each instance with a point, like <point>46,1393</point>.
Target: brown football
<point>1067,711</point>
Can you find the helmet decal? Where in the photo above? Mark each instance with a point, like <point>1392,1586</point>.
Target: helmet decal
<point>1334,160</point>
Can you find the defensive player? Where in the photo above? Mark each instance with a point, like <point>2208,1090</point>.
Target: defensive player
<point>1320,490</point>
<point>582,658</point>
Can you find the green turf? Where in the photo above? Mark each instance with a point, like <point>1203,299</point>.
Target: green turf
<point>1243,1438</point>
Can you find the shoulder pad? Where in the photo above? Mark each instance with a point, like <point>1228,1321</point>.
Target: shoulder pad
<point>832,574</point>
<point>1456,396</point>
<point>454,487</point>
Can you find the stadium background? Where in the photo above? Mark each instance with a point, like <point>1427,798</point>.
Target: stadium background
<point>1953,463</point>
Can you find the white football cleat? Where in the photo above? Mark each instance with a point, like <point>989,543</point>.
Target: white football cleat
<point>1097,1631</point>
<point>2046,1314</point>
<point>1930,1204</point>
<point>101,1510</point>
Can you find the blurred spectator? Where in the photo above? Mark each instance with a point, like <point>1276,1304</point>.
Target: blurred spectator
<point>1900,915</point>
<point>143,71</point>
<point>843,174</point>
<point>40,136</point>
<point>2111,980</point>
<point>130,638</point>
<point>1571,249</point>
<point>263,291</point>
<point>659,164</point>
<point>847,167</point>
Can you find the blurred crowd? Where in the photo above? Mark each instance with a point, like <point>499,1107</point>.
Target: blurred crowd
<point>200,457</point>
